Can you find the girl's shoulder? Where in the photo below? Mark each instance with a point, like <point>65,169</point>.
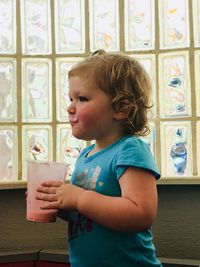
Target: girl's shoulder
<point>134,151</point>
<point>133,142</point>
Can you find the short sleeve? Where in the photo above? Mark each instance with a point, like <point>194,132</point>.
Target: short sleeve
<point>136,153</point>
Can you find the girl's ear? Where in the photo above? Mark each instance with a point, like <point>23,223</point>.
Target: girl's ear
<point>122,109</point>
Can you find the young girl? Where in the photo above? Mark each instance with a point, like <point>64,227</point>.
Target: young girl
<point>112,198</point>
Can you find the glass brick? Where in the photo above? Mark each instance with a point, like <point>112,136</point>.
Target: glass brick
<point>36,90</point>
<point>198,146</point>
<point>148,62</point>
<point>7,26</point>
<point>36,27</point>
<point>174,85</point>
<point>63,65</point>
<point>37,145</point>
<point>176,149</point>
<point>8,90</point>
<point>174,24</point>
<point>9,153</point>
<point>70,26</point>
<point>104,25</point>
<point>139,25</point>
<point>196,22</point>
<point>197,81</point>
<point>150,139</point>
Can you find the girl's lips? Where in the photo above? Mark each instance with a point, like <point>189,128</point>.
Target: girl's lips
<point>73,120</point>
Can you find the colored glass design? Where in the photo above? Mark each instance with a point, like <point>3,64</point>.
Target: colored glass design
<point>176,149</point>
<point>37,98</point>
<point>198,146</point>
<point>174,85</point>
<point>63,65</point>
<point>7,26</point>
<point>37,144</point>
<point>197,81</point>
<point>196,22</point>
<point>8,92</point>
<point>148,62</point>
<point>139,25</point>
<point>178,152</point>
<point>36,27</point>
<point>70,26</point>
<point>174,24</point>
<point>8,148</point>
<point>150,139</point>
<point>104,25</point>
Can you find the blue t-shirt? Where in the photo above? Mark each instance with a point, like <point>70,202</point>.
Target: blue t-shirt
<point>91,244</point>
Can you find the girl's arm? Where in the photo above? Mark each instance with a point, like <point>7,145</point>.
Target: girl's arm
<point>135,210</point>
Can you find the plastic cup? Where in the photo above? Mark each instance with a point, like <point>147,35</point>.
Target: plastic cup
<point>38,172</point>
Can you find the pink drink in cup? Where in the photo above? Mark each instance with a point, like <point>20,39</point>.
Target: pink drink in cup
<point>38,172</point>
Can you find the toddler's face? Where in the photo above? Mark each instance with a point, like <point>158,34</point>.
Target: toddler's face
<point>90,112</point>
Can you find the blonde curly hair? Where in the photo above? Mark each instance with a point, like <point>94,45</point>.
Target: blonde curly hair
<point>127,83</point>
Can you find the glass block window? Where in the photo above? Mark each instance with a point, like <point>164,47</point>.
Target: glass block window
<point>198,147</point>
<point>9,159</point>
<point>70,26</point>
<point>148,62</point>
<point>139,25</point>
<point>36,90</point>
<point>151,139</point>
<point>8,90</point>
<point>104,24</point>
<point>36,27</point>
<point>41,40</point>
<point>8,27</point>
<point>36,144</point>
<point>196,22</point>
<point>177,159</point>
<point>63,65</point>
<point>174,24</point>
<point>174,84</point>
<point>197,81</point>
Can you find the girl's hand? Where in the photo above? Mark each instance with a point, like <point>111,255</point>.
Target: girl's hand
<point>58,195</point>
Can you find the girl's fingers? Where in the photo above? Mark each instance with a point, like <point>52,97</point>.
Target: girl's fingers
<point>52,183</point>
<point>49,205</point>
<point>46,190</point>
<point>46,197</point>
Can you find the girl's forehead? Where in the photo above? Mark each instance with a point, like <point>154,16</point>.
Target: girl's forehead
<point>81,81</point>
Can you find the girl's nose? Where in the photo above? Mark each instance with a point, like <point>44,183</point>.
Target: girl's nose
<point>71,109</point>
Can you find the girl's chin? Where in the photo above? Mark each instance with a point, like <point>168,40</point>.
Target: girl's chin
<point>81,136</point>
<point>77,135</point>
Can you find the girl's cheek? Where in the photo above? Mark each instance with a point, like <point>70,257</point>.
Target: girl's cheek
<point>87,118</point>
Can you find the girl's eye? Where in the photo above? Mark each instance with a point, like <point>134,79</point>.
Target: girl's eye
<point>70,98</point>
<point>82,98</point>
